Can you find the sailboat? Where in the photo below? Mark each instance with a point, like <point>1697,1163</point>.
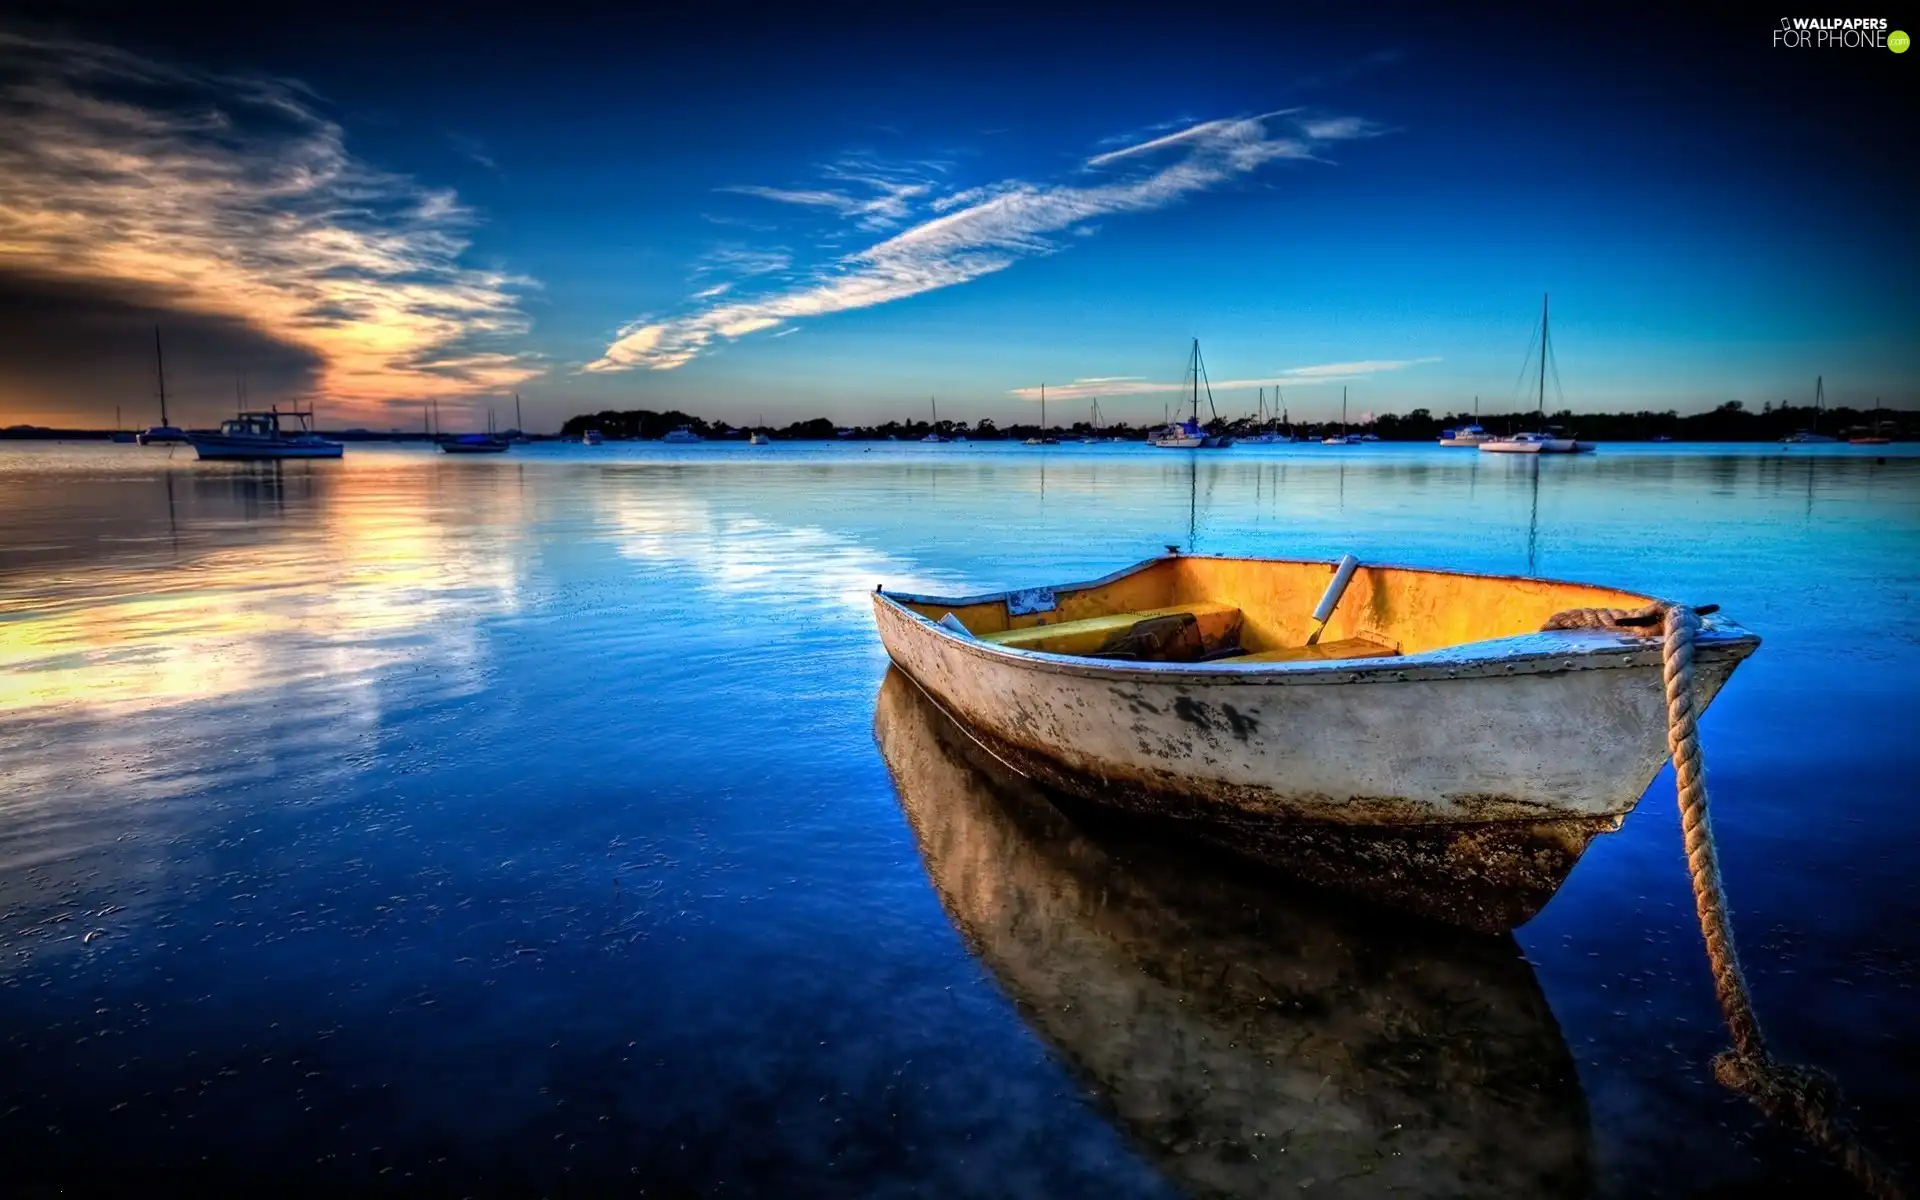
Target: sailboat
<point>518,434</point>
<point>1045,439</point>
<point>1549,442</point>
<point>1190,434</point>
<point>165,432</point>
<point>1093,423</point>
<point>1268,436</point>
<point>1819,403</point>
<point>1343,438</point>
<point>120,432</point>
<point>1466,435</point>
<point>933,435</point>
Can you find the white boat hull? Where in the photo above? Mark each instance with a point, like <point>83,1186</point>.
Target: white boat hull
<point>1502,757</point>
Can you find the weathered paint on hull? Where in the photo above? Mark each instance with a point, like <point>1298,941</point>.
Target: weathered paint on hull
<point>1251,1040</point>
<point>1464,782</point>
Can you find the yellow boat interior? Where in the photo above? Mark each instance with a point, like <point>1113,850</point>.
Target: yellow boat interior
<point>1192,609</point>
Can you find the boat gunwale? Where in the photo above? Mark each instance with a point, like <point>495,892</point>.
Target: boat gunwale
<point>1542,652</point>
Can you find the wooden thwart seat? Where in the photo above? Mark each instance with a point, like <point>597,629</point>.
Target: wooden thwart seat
<point>1092,634</point>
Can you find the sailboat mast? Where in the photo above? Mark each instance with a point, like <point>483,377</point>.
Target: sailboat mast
<point>1542,410</point>
<point>1819,400</point>
<point>1343,408</point>
<point>518,427</point>
<point>1043,409</point>
<point>160,367</point>
<point>1196,381</point>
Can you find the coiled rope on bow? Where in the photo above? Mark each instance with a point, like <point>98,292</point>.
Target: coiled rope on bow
<point>1804,1098</point>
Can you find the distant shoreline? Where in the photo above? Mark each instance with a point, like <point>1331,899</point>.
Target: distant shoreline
<point>1731,422</point>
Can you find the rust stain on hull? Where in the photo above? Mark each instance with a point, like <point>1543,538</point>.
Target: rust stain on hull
<point>1488,875</point>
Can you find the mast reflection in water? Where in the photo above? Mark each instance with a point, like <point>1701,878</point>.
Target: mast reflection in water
<point>1252,1040</point>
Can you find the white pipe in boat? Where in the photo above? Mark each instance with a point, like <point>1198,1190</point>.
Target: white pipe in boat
<point>1342,575</point>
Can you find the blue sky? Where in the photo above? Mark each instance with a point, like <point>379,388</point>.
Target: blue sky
<point>832,216</point>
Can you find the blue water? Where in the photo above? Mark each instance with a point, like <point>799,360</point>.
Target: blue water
<point>515,825</point>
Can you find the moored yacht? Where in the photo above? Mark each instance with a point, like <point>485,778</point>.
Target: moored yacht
<point>257,435</point>
<point>1190,434</point>
<point>1554,441</point>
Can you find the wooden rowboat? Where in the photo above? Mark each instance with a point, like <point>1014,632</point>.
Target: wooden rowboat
<point>1439,749</point>
<point>1249,1039</point>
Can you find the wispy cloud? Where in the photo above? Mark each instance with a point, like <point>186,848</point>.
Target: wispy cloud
<point>989,229</point>
<point>877,195</point>
<point>474,149</point>
<point>233,196</point>
<point>743,260</point>
<point>1134,385</point>
<point>740,222</point>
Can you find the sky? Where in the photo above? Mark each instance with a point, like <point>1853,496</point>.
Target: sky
<point>848,212</point>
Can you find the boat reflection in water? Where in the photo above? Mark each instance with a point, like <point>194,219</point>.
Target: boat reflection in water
<point>1252,1040</point>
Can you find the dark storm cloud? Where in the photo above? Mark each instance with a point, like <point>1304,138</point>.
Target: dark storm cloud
<point>80,348</point>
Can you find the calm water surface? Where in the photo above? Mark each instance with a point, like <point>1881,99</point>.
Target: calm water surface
<point>547,824</point>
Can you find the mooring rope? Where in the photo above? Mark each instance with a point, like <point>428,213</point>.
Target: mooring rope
<point>1801,1097</point>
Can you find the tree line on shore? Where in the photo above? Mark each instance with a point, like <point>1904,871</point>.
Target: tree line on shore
<point>1730,422</point>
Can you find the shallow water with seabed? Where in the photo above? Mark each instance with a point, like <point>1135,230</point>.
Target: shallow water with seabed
<point>518,824</point>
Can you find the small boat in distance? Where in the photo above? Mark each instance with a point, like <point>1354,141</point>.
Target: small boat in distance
<point>1466,435</point>
<point>1343,438</point>
<point>1806,436</point>
<point>1527,443</point>
<point>166,432</point>
<point>592,437</point>
<point>1190,434</point>
<point>1199,689</point>
<point>756,438</point>
<point>683,435</point>
<point>474,443</point>
<point>1554,441</point>
<point>933,435</point>
<point>1044,438</point>
<point>1268,435</point>
<point>121,433</point>
<point>259,436</point>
